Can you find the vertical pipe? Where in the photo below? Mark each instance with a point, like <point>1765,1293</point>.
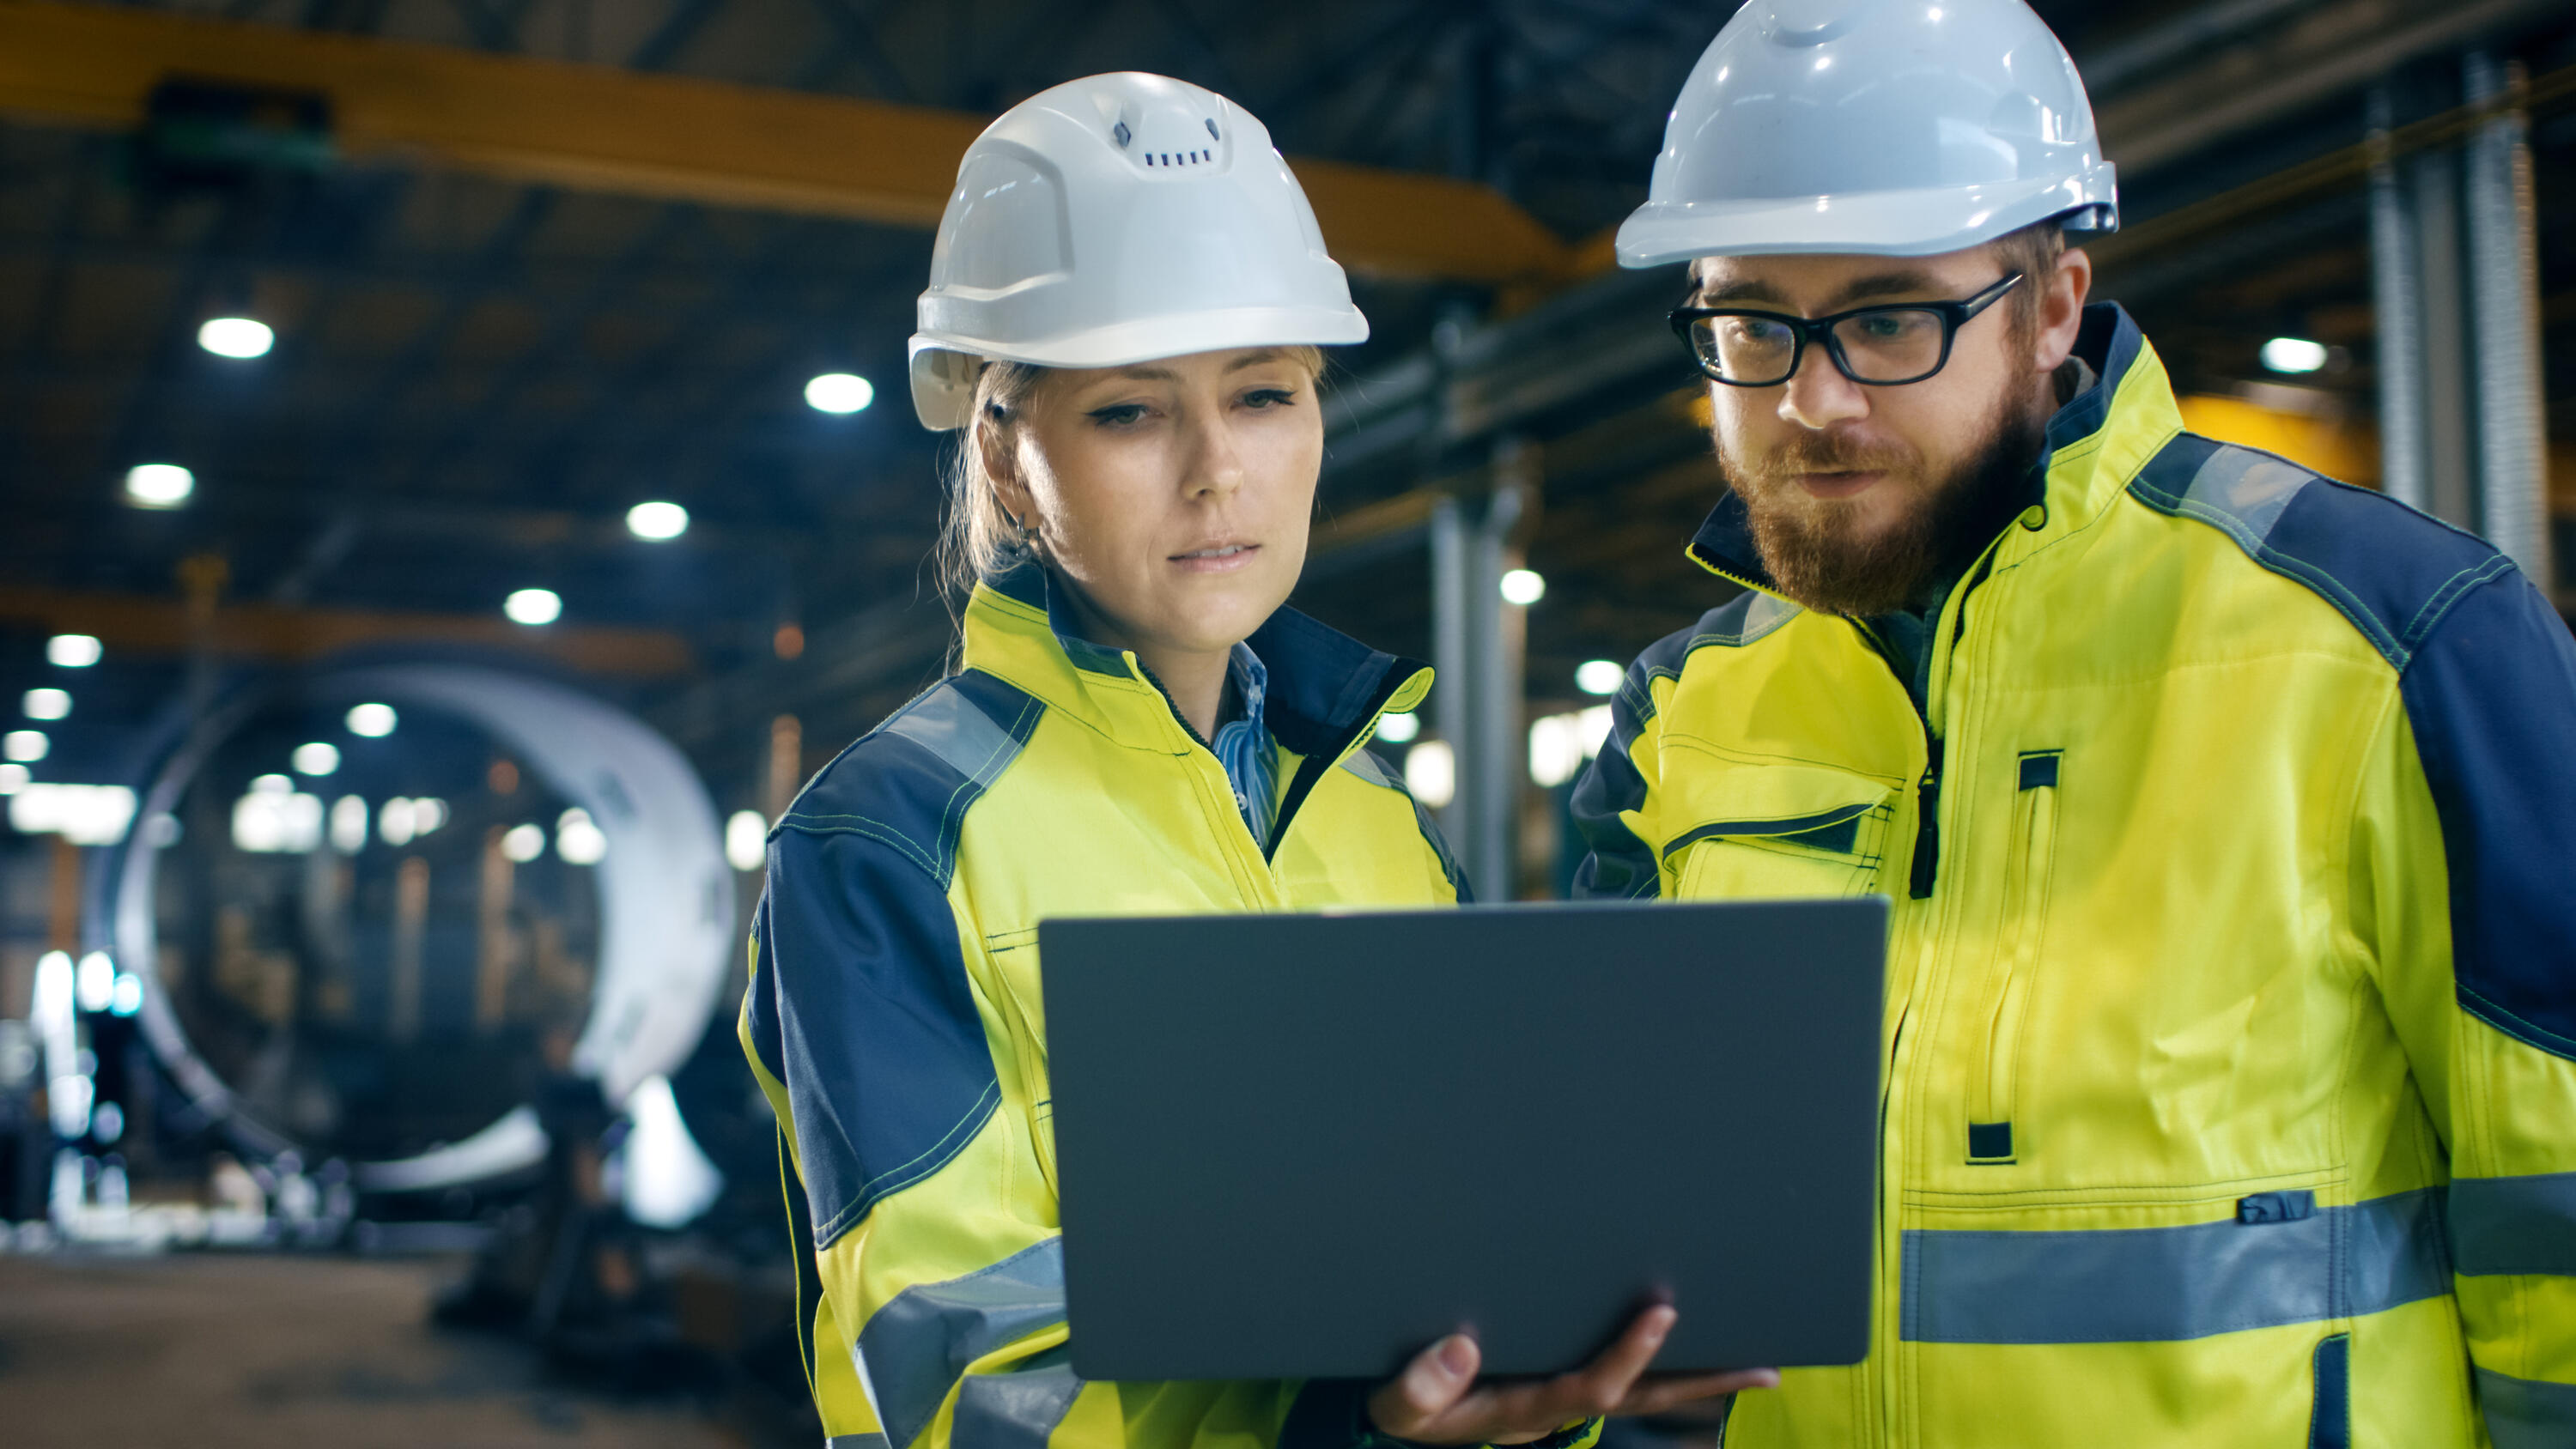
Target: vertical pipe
<point>786,765</point>
<point>2504,307</point>
<point>1487,777</point>
<point>497,953</point>
<point>2449,356</point>
<point>411,926</point>
<point>2397,297</point>
<point>1453,689</point>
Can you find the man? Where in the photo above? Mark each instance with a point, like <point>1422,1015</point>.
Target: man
<point>2228,812</point>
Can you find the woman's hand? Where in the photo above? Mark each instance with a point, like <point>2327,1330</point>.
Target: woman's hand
<point>1436,1400</point>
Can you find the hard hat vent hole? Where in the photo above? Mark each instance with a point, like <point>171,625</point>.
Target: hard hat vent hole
<point>1210,123</point>
<point>1121,135</point>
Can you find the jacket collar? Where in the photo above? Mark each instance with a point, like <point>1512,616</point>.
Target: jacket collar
<point>1324,692</point>
<point>2126,376</point>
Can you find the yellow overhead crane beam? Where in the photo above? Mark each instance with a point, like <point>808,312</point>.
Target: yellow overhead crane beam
<point>674,137</point>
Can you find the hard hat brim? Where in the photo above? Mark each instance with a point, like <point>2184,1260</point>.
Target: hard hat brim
<point>1916,223</point>
<point>943,389</point>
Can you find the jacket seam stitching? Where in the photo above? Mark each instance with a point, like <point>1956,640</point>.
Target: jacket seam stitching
<point>881,1187</point>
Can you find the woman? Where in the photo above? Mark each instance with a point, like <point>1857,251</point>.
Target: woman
<point>1127,297</point>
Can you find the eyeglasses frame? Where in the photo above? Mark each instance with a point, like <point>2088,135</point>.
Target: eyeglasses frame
<point>1954,315</point>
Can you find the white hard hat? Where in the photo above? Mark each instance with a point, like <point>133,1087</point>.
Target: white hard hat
<point>1117,219</point>
<point>1894,127</point>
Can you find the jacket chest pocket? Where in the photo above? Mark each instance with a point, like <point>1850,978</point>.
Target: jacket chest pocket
<point>1994,1055</point>
<point>1013,956</point>
<point>1774,831</point>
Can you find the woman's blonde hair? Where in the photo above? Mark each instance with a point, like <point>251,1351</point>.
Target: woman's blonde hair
<point>979,537</point>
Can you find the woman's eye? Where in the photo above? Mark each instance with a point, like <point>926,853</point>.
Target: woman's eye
<point>1271,397</point>
<point>1120,416</point>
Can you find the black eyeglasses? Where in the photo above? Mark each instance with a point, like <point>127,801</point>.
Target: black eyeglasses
<point>1884,346</point>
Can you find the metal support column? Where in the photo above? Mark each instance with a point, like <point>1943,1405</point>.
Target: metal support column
<point>2504,311</point>
<point>2455,283</point>
<point>2397,296</point>
<point>1477,650</point>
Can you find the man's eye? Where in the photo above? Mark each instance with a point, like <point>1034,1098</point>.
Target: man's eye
<point>1759,333</point>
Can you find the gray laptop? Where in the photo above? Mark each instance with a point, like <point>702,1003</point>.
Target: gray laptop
<point>1296,1146</point>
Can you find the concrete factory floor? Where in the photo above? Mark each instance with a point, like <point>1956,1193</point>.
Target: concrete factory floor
<point>212,1351</point>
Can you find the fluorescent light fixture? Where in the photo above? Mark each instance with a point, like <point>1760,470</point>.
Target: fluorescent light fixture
<point>81,814</point>
<point>316,758</point>
<point>1599,676</point>
<point>1431,773</point>
<point>46,703</point>
<point>533,607</point>
<point>13,778</point>
<point>374,721</point>
<point>158,485</point>
<point>236,337</point>
<point>1399,729</point>
<point>72,651</point>
<point>840,392</point>
<point>578,839</point>
<point>523,843</point>
<point>97,978</point>
<point>1522,586</point>
<point>657,520</point>
<point>348,826</point>
<point>25,746</point>
<point>747,840</point>
<point>1555,750</point>
<point>272,822</point>
<point>2293,354</point>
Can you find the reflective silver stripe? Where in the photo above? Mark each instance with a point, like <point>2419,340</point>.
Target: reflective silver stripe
<point>1016,1410</point>
<point>947,723</point>
<point>2252,489</point>
<point>918,1346</point>
<point>855,1441</point>
<point>2515,1224</point>
<point>2527,1413</point>
<point>2149,1285</point>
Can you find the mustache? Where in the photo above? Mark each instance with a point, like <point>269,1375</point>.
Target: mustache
<point>1831,452</point>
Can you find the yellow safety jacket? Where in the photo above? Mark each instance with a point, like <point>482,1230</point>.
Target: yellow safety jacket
<point>2230,1044</point>
<point>895,1022</point>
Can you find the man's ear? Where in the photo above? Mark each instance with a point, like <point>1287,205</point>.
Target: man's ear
<point>2061,308</point>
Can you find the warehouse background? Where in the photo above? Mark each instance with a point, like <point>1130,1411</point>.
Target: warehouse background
<point>350,341</point>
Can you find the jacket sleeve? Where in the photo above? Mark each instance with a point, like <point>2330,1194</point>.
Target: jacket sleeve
<point>932,1212</point>
<point>2465,875</point>
<point>1613,796</point>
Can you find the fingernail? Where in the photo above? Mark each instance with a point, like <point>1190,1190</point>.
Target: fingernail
<point>1661,1320</point>
<point>1456,1356</point>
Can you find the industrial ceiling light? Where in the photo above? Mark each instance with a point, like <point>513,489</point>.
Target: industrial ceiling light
<point>1523,586</point>
<point>158,485</point>
<point>1399,729</point>
<point>657,520</point>
<point>241,337</point>
<point>2293,354</point>
<point>840,392</point>
<point>46,703</point>
<point>317,758</point>
<point>72,651</point>
<point>1599,676</point>
<point>25,747</point>
<point>533,607</point>
<point>374,721</point>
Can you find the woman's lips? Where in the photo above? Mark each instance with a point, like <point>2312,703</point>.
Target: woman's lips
<point>1217,559</point>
